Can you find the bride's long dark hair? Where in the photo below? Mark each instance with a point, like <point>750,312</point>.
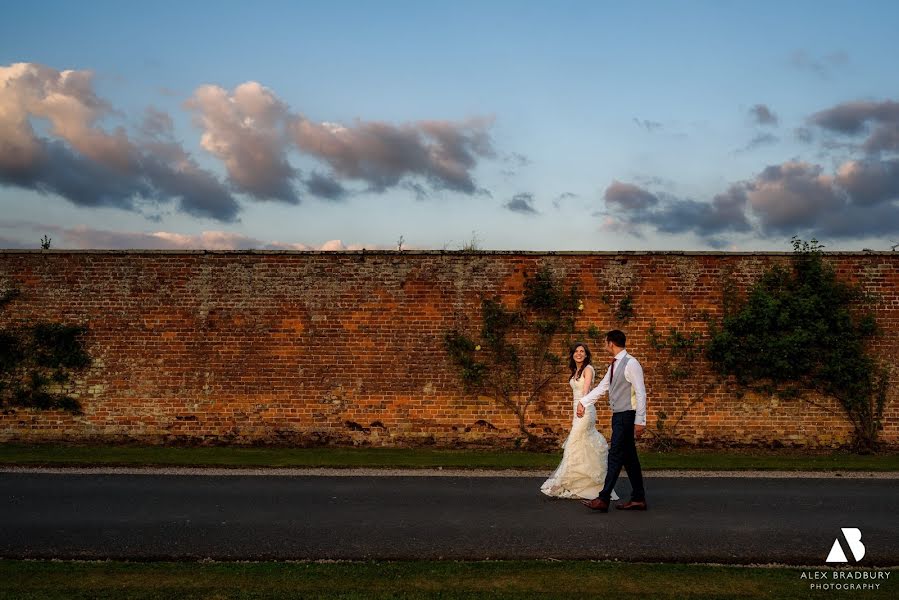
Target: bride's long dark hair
<point>573,365</point>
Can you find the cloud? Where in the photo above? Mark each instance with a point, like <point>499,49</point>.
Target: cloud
<point>804,135</point>
<point>631,207</point>
<point>518,160</point>
<point>86,164</point>
<point>787,197</point>
<point>762,115</point>
<point>246,130</point>
<point>325,187</point>
<point>650,126</point>
<point>380,154</point>
<point>726,213</point>
<point>852,117</point>
<point>654,180</point>
<point>557,202</point>
<point>420,191</point>
<point>870,182</point>
<point>84,237</point>
<point>762,139</point>
<point>861,200</point>
<point>522,203</point>
<point>157,124</point>
<point>629,197</point>
<point>823,66</point>
<point>878,120</point>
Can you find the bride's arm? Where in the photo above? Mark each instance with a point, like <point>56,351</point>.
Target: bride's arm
<point>588,380</point>
<point>590,398</point>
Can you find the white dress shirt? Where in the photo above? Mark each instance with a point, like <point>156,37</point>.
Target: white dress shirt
<point>633,373</point>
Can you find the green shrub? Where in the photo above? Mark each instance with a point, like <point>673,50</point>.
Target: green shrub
<point>802,329</point>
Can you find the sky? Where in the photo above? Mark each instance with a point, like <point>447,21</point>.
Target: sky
<point>548,126</point>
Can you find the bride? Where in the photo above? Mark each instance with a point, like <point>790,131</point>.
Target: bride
<point>582,472</point>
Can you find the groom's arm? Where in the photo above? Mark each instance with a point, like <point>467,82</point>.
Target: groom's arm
<point>591,398</point>
<point>633,372</point>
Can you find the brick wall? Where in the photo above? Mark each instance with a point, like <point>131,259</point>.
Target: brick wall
<point>308,347</point>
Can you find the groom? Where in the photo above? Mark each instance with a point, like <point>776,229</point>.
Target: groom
<point>627,398</point>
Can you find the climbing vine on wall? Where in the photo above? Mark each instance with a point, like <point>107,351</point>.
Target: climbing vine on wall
<point>515,356</point>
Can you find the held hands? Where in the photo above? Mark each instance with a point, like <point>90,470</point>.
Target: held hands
<point>638,431</point>
<point>580,410</point>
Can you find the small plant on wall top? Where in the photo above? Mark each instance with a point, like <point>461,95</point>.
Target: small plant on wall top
<point>516,354</point>
<point>801,329</point>
<point>38,361</point>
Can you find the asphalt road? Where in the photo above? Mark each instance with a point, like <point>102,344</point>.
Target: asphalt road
<point>727,520</point>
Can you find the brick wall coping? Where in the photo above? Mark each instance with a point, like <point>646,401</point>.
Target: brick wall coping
<point>454,252</point>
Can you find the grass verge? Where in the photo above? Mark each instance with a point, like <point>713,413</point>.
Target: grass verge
<point>418,579</point>
<point>225,456</point>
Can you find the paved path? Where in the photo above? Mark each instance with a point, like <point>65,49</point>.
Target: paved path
<point>189,516</point>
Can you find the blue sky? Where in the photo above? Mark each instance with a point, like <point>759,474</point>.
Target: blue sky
<point>528,125</point>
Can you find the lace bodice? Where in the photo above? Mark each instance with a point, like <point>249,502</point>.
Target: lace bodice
<point>577,385</point>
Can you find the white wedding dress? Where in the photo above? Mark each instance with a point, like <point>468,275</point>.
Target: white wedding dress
<point>582,472</point>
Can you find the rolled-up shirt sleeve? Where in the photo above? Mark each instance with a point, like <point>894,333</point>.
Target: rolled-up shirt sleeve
<point>633,372</point>
<point>593,395</point>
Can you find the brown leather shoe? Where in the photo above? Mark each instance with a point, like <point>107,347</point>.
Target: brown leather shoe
<point>632,505</point>
<point>597,504</point>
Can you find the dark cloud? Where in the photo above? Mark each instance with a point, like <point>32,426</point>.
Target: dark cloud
<point>633,207</point>
<point>629,197</point>
<point>870,182</point>
<point>196,191</point>
<point>325,187</point>
<point>786,198</point>
<point>862,200</point>
<point>878,120</point>
<point>823,66</point>
<point>521,203</point>
<point>885,138</point>
<point>762,115</point>
<point>55,169</point>
<point>852,117</point>
<point>852,222</point>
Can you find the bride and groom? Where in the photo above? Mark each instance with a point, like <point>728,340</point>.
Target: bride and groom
<point>590,467</point>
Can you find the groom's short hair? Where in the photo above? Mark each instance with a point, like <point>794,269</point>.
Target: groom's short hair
<point>617,337</point>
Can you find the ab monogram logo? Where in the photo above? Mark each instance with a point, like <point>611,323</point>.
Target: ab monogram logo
<point>853,538</point>
<point>842,578</point>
